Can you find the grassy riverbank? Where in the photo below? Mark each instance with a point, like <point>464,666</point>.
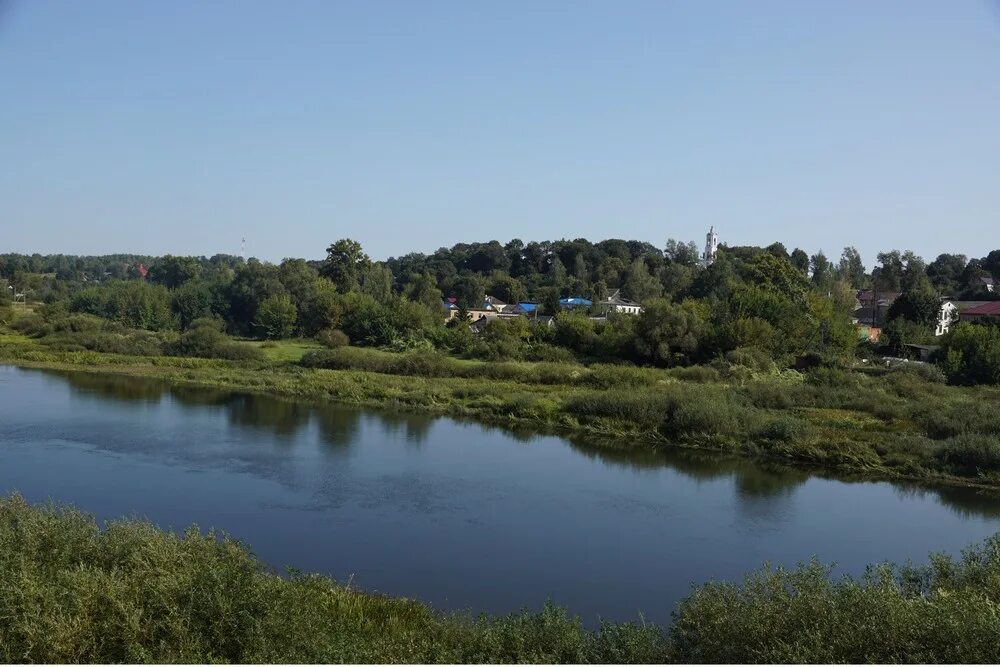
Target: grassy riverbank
<point>877,422</point>
<point>74,591</point>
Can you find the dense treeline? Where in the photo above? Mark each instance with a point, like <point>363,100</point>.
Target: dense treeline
<point>760,307</point>
<point>126,592</point>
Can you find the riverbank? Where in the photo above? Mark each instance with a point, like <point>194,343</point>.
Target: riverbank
<point>883,425</point>
<point>128,592</point>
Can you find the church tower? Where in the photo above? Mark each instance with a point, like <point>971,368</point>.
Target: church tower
<point>711,245</point>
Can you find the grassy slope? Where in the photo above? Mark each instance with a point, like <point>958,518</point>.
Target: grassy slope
<point>875,428</point>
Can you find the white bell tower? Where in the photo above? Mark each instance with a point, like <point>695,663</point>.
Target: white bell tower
<point>711,245</point>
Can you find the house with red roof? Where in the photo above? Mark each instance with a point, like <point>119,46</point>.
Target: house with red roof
<point>988,312</point>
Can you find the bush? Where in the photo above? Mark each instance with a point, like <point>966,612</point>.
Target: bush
<point>33,325</point>
<point>944,613</point>
<point>785,429</point>
<point>696,374</point>
<point>333,338</point>
<point>827,376</point>
<point>208,342</point>
<point>971,453</point>
<point>682,412</point>
<point>609,376</point>
<point>949,420</point>
<point>971,354</point>
<point>753,358</point>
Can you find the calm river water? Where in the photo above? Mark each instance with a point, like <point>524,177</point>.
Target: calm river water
<point>455,514</point>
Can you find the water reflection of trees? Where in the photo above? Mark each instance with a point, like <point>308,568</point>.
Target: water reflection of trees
<point>967,502</point>
<point>338,426</point>
<point>753,479</point>
<point>413,427</point>
<point>119,388</point>
<point>281,416</point>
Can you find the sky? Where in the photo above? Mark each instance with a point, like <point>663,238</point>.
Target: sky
<point>182,127</point>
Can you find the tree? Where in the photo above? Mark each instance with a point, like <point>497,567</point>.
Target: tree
<point>639,284</point>
<point>991,264</point>
<point>345,264</point>
<point>668,333</point>
<point>276,317</point>
<point>851,268</point>
<point>945,273</point>
<point>685,254</point>
<point>556,275</point>
<point>800,260</point>
<point>172,272</point>
<point>914,273</point>
<point>507,289</point>
<point>191,301</point>
<point>889,273</point>
<point>253,282</point>
<point>422,288</point>
<point>468,291</point>
<point>487,257</point>
<point>135,304</point>
<point>777,274</point>
<point>376,281</point>
<point>920,305</point>
<point>778,249</point>
<point>822,274</point>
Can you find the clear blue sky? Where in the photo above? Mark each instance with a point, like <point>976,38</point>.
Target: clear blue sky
<point>180,126</point>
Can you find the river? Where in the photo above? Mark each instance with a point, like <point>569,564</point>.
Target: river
<point>453,513</point>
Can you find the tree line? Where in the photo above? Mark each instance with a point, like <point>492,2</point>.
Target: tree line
<point>758,306</point>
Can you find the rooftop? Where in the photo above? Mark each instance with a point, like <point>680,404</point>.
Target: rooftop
<point>990,308</point>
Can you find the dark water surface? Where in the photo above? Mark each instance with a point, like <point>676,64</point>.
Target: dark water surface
<point>455,514</point>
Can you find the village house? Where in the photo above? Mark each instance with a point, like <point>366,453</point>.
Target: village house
<point>951,312</point>
<point>571,302</point>
<point>987,313</point>
<point>870,307</point>
<point>616,303</point>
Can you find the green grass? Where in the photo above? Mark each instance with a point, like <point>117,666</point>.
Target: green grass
<point>287,351</point>
<point>75,591</point>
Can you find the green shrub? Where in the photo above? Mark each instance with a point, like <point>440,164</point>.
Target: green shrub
<point>785,429</point>
<point>33,325</point>
<point>948,420</point>
<point>828,376</point>
<point>610,376</point>
<point>333,338</point>
<point>696,374</point>
<point>971,453</point>
<point>753,358</point>
<point>207,342</point>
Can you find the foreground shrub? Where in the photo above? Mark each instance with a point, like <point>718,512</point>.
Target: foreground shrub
<point>74,593</point>
<point>944,613</point>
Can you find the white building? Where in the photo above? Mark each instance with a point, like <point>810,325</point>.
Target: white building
<point>711,246</point>
<point>618,304</point>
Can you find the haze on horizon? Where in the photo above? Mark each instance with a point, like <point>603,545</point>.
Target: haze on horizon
<point>181,127</point>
